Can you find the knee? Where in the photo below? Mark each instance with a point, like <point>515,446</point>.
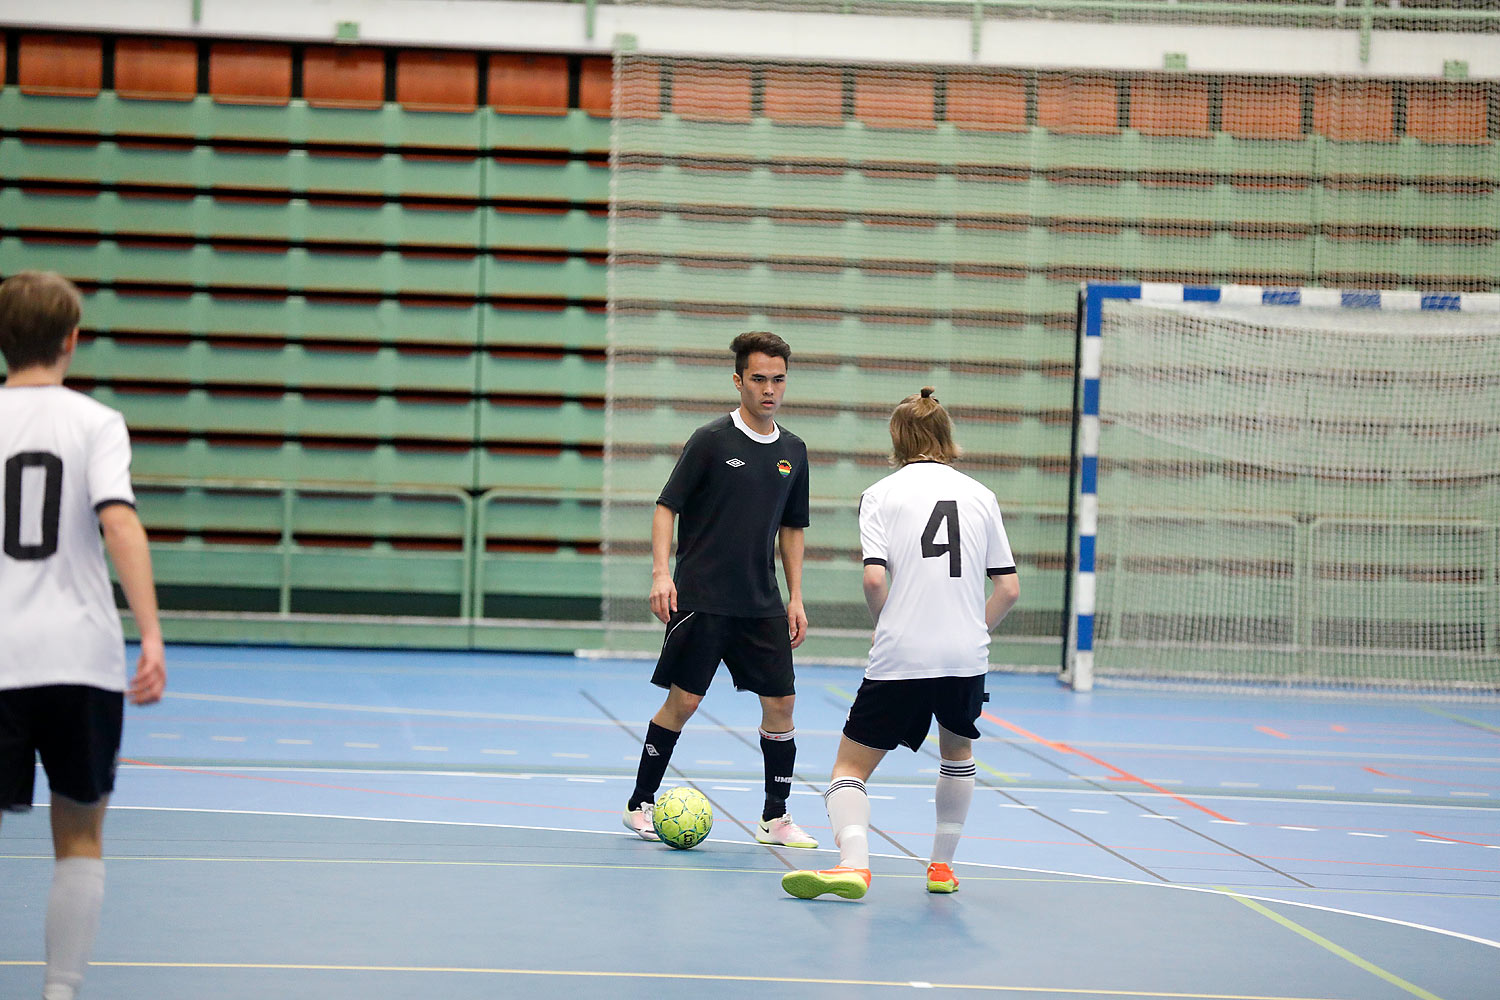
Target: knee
<point>680,707</point>
<point>777,714</point>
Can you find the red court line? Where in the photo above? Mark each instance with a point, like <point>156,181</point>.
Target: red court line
<point>1119,774</point>
<point>354,788</point>
<point>1451,840</point>
<point>1272,732</point>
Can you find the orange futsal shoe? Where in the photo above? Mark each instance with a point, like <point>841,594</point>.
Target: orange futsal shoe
<point>851,883</point>
<point>940,878</point>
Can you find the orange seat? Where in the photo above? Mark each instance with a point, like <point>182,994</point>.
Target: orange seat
<point>1354,110</point>
<point>989,102</point>
<point>1070,104</point>
<point>250,73</point>
<point>528,84</point>
<point>1169,106</point>
<point>893,98</point>
<point>1262,109</point>
<point>60,65</point>
<point>596,84</point>
<point>1448,113</point>
<point>712,92</point>
<point>431,80</point>
<point>804,95</point>
<point>156,69</point>
<point>339,76</point>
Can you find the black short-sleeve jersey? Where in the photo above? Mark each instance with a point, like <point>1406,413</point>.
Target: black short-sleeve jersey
<point>732,494</point>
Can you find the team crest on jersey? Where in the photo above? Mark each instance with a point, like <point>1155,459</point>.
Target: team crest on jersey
<point>734,463</point>
<point>784,467</point>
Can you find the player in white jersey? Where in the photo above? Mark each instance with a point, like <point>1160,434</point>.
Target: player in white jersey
<point>64,478</point>
<point>931,537</point>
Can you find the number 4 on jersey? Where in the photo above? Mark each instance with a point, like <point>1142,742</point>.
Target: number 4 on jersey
<point>944,510</point>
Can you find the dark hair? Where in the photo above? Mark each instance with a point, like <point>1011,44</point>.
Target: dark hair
<point>920,427</point>
<point>38,309</point>
<point>758,342</point>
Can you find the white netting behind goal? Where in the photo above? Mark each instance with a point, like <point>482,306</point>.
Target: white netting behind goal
<point>1299,494</point>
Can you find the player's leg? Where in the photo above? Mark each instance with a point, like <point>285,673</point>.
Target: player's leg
<point>848,802</point>
<point>689,657</point>
<point>656,756</point>
<point>955,791</point>
<point>882,712</point>
<point>77,895</point>
<point>958,702</point>
<point>78,748</point>
<point>758,654</point>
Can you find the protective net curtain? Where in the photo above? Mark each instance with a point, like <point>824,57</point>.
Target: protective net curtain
<point>809,201</point>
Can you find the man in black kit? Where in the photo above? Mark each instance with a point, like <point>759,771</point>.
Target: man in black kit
<point>740,487</point>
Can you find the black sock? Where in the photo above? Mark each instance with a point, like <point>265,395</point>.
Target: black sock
<point>780,752</point>
<point>656,754</point>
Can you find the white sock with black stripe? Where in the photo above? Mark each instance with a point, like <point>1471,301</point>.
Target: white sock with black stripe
<point>955,790</point>
<point>849,815</point>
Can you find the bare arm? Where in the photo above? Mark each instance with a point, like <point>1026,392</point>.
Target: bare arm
<point>877,589</point>
<point>126,541</point>
<point>792,541</point>
<point>1002,598</point>
<point>663,589</point>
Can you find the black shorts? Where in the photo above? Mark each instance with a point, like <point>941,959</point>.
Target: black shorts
<point>891,713</point>
<point>757,651</point>
<point>76,730</point>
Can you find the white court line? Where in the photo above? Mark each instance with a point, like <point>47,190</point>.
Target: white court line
<point>892,857</point>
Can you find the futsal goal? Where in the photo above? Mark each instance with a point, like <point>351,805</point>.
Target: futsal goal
<point>1286,486</point>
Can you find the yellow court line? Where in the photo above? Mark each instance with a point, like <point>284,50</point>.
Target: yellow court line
<point>1339,950</point>
<point>1461,718</point>
<point>690,976</point>
<point>987,769</point>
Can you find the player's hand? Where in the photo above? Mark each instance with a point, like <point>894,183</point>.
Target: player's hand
<point>663,597</point>
<point>150,674</point>
<point>796,620</point>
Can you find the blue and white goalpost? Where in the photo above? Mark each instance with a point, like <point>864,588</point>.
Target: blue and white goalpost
<point>1286,485</point>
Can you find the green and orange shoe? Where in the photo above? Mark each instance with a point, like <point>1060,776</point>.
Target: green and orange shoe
<point>940,878</point>
<point>850,883</point>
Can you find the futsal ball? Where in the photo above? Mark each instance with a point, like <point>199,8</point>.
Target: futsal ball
<point>682,817</point>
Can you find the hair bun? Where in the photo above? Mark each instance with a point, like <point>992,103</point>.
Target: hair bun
<point>927,391</point>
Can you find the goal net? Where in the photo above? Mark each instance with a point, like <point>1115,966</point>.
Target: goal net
<point>1289,486</point>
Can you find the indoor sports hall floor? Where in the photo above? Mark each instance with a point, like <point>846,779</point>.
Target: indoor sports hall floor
<point>335,824</point>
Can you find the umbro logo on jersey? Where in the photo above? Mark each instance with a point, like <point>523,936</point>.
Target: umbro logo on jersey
<point>734,463</point>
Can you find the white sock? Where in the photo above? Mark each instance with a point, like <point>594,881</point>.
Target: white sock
<point>72,920</point>
<point>955,790</point>
<point>849,815</point>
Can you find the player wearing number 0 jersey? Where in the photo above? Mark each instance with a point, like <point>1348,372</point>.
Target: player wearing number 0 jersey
<point>64,478</point>
<point>932,537</point>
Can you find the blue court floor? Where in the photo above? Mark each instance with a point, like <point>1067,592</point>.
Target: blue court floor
<point>315,823</point>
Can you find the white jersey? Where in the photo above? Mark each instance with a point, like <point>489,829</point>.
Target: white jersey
<point>63,457</point>
<point>939,534</point>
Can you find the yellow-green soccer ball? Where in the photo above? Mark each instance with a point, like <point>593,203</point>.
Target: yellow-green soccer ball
<point>682,817</point>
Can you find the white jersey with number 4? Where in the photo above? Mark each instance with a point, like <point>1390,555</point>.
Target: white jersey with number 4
<point>63,457</point>
<point>939,534</point>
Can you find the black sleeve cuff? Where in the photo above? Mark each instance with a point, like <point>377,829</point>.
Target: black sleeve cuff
<point>112,502</point>
<point>1007,571</point>
<point>874,562</point>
